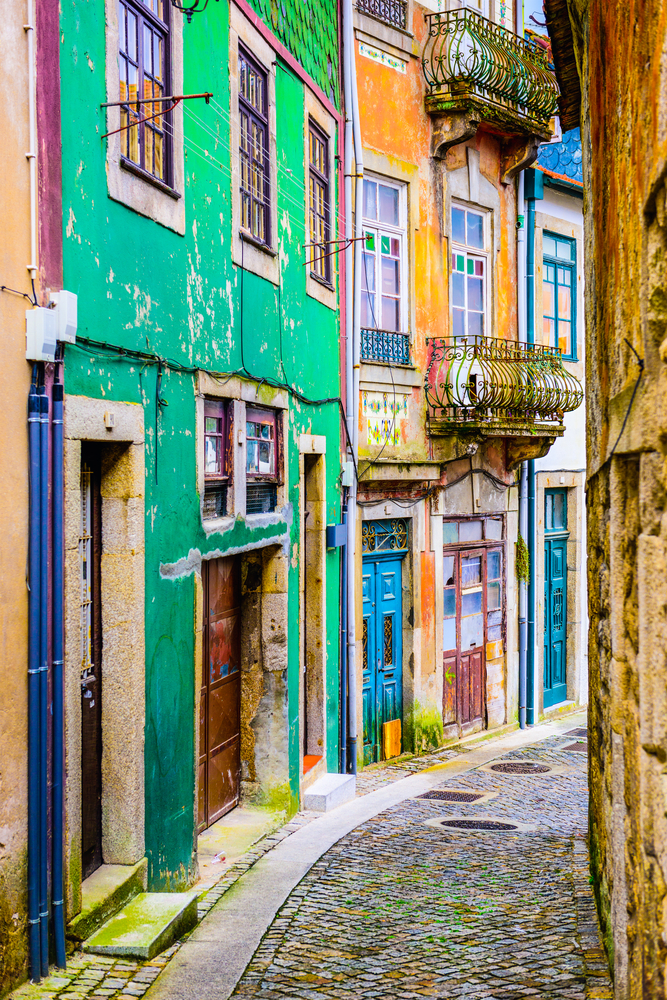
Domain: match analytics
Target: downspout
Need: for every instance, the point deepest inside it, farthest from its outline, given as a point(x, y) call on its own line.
point(523, 482)
point(57, 540)
point(31, 155)
point(352, 325)
point(343, 650)
point(33, 678)
point(44, 679)
point(534, 189)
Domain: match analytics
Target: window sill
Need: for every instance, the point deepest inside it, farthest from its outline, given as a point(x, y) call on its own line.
point(134, 168)
point(322, 281)
point(246, 237)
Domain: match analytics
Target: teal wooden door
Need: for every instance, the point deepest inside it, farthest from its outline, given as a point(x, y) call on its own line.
point(555, 597)
point(382, 649)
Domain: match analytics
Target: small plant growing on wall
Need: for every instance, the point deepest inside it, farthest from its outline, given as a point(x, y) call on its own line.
point(522, 560)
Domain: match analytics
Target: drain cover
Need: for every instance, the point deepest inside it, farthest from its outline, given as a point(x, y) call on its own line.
point(452, 796)
point(477, 824)
point(576, 732)
point(581, 746)
point(520, 767)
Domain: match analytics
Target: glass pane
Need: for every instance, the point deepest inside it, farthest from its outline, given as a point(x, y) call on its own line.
point(564, 302)
point(549, 511)
point(549, 332)
point(458, 225)
point(493, 596)
point(369, 243)
point(475, 294)
point(448, 569)
point(450, 532)
point(252, 456)
point(564, 341)
point(471, 265)
point(472, 631)
point(390, 315)
point(471, 571)
point(564, 250)
point(493, 566)
point(470, 531)
point(213, 451)
point(388, 204)
point(494, 528)
point(475, 324)
point(368, 320)
point(121, 27)
point(494, 618)
point(494, 633)
point(548, 298)
point(148, 50)
point(449, 633)
point(370, 199)
point(458, 290)
point(368, 271)
point(459, 323)
point(450, 603)
point(211, 425)
point(560, 520)
point(549, 246)
point(390, 284)
point(471, 602)
point(475, 231)
point(460, 262)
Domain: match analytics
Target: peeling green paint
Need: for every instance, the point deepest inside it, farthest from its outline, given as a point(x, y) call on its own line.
point(422, 728)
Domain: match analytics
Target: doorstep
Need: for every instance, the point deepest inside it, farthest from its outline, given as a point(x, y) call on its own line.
point(104, 893)
point(147, 925)
point(330, 791)
point(562, 708)
point(230, 838)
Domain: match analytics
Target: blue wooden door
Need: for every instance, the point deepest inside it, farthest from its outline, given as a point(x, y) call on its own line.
point(382, 650)
point(555, 598)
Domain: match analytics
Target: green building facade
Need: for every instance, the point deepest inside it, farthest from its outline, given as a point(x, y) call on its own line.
point(202, 421)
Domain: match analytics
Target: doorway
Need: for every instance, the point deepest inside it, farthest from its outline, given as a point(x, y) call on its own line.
point(556, 538)
point(220, 692)
point(472, 617)
point(90, 557)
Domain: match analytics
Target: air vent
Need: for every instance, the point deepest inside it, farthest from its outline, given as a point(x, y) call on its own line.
point(477, 824)
point(261, 498)
point(520, 767)
point(581, 746)
point(446, 796)
point(215, 500)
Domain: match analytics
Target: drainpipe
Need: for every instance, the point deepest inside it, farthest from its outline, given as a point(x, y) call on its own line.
point(31, 155)
point(43, 678)
point(523, 483)
point(58, 690)
point(534, 191)
point(33, 678)
point(343, 651)
point(352, 325)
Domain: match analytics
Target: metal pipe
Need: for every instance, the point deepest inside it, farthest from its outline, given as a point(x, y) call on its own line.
point(33, 678)
point(31, 155)
point(343, 651)
point(57, 541)
point(44, 679)
point(523, 599)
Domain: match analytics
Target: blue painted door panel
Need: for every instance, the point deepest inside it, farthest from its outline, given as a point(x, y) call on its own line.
point(555, 620)
point(382, 650)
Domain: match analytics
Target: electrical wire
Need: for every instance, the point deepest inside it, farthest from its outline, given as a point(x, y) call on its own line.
point(640, 362)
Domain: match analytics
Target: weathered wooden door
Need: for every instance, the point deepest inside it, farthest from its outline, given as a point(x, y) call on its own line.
point(555, 597)
point(220, 694)
point(382, 650)
point(464, 638)
point(90, 554)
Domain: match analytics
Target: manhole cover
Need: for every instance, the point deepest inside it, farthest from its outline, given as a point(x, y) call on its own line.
point(576, 732)
point(477, 824)
point(452, 796)
point(520, 767)
point(581, 746)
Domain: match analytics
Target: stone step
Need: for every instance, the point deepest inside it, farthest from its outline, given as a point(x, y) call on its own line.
point(104, 893)
point(146, 926)
point(329, 791)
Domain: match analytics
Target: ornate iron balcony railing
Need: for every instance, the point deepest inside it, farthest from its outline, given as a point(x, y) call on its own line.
point(394, 12)
point(477, 380)
point(382, 345)
point(469, 60)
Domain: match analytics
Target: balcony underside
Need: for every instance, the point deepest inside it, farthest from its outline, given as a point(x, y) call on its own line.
point(523, 441)
point(506, 120)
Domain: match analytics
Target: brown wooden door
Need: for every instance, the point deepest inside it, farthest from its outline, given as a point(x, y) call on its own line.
point(464, 638)
point(220, 694)
point(90, 553)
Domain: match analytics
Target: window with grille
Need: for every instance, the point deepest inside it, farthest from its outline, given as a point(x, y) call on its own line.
point(318, 149)
point(559, 283)
point(383, 286)
point(217, 437)
point(469, 273)
point(254, 149)
point(143, 62)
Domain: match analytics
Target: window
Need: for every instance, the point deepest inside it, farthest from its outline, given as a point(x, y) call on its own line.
point(254, 149)
point(217, 438)
point(558, 293)
point(469, 266)
point(143, 58)
point(262, 461)
point(383, 293)
point(318, 151)
point(555, 510)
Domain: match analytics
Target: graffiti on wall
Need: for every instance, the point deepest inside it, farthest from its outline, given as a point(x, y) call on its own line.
point(384, 413)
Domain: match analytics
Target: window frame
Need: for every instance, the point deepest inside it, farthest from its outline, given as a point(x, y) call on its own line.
point(571, 266)
point(222, 410)
point(325, 182)
point(400, 232)
point(264, 477)
point(470, 253)
point(486, 546)
point(262, 120)
point(145, 15)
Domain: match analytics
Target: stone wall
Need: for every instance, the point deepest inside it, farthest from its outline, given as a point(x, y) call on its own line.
point(619, 49)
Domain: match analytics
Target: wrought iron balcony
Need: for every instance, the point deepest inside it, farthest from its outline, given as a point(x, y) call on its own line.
point(393, 12)
point(382, 345)
point(485, 383)
point(473, 65)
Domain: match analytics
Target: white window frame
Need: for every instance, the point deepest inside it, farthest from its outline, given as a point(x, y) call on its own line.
point(472, 252)
point(400, 231)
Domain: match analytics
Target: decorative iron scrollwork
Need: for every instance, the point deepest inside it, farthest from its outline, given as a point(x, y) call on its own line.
point(365, 642)
point(393, 12)
point(382, 345)
point(384, 536)
point(557, 609)
point(388, 640)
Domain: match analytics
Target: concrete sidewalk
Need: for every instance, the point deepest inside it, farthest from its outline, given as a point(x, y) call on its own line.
point(210, 963)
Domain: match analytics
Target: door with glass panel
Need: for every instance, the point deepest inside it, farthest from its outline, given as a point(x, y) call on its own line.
point(472, 617)
point(556, 538)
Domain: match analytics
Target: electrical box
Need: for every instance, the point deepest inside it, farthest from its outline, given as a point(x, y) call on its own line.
point(347, 473)
point(336, 535)
point(41, 327)
point(66, 309)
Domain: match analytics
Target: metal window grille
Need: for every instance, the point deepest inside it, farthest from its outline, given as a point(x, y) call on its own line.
point(382, 345)
point(261, 498)
point(254, 149)
point(215, 500)
point(394, 12)
point(143, 60)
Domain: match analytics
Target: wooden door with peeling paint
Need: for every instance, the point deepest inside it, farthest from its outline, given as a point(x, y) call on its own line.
point(220, 693)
